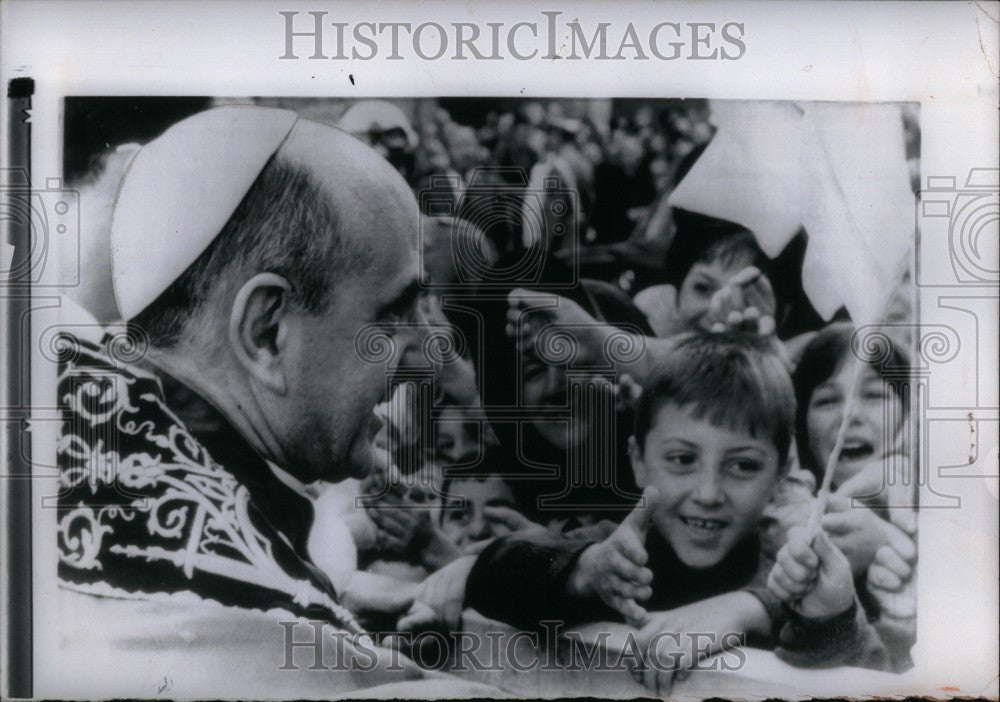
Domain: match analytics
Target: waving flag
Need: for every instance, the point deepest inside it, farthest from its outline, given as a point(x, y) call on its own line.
point(838, 171)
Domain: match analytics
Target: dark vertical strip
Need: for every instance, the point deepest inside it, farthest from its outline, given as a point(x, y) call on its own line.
point(17, 400)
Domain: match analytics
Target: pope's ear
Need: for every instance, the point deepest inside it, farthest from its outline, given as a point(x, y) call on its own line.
point(258, 328)
point(638, 465)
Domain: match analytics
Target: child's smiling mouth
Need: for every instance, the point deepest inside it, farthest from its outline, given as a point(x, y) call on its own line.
point(702, 527)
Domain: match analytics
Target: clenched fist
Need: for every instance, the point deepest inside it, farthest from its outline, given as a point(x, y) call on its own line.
point(812, 576)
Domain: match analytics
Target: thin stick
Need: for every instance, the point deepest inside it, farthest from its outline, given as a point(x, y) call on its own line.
point(819, 506)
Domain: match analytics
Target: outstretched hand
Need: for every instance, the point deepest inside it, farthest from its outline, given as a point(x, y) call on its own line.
point(746, 302)
point(439, 599)
point(528, 317)
point(614, 569)
point(675, 641)
point(659, 304)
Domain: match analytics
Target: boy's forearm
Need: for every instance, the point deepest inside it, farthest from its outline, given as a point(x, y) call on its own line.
point(651, 353)
point(751, 616)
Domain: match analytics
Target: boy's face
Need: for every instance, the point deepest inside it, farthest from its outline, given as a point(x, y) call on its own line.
point(868, 438)
point(713, 483)
point(700, 284)
point(466, 524)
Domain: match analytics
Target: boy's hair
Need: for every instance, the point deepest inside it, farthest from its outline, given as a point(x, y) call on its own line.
point(731, 379)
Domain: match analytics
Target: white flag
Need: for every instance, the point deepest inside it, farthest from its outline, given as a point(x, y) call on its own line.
point(838, 171)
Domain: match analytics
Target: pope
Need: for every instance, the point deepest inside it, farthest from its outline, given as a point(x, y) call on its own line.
point(252, 255)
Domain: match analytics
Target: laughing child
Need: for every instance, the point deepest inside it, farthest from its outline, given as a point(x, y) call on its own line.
point(712, 436)
point(869, 516)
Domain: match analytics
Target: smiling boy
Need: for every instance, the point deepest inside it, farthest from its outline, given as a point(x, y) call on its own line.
point(712, 436)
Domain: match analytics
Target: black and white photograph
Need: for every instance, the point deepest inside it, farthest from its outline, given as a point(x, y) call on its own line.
point(417, 393)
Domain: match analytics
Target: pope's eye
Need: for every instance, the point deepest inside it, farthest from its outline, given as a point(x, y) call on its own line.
point(405, 310)
point(403, 316)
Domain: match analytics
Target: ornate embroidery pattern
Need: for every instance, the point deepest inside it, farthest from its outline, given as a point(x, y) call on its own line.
point(139, 488)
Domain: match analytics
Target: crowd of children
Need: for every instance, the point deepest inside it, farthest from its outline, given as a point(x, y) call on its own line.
point(533, 486)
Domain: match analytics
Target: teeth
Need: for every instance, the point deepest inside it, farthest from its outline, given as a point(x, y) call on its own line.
point(710, 524)
point(856, 448)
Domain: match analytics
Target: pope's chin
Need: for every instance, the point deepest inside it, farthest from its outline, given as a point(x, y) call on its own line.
point(360, 462)
point(362, 458)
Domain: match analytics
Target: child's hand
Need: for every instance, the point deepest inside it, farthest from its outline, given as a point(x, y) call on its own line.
point(746, 302)
point(812, 576)
point(859, 532)
point(871, 484)
point(890, 582)
point(440, 598)
point(685, 636)
point(506, 520)
point(614, 569)
point(503, 521)
point(438, 549)
point(401, 531)
point(527, 317)
point(659, 304)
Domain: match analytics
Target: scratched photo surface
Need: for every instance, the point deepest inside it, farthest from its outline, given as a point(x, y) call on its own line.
point(487, 396)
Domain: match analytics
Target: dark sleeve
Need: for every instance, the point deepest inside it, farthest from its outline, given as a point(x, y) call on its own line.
point(522, 581)
point(847, 639)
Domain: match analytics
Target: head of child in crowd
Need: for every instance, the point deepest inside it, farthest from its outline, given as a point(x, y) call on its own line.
point(474, 507)
point(705, 254)
point(722, 260)
point(713, 432)
point(822, 383)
